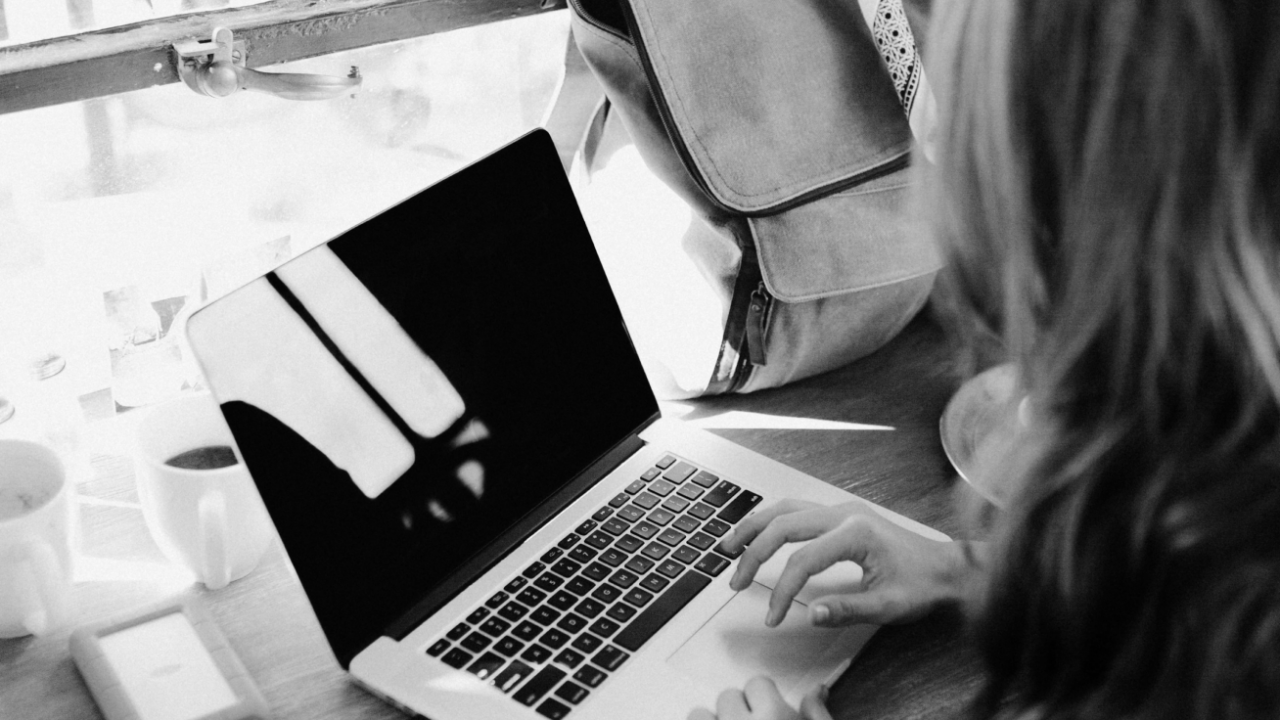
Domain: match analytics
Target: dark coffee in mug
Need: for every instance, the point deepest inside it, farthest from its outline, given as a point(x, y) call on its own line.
point(208, 457)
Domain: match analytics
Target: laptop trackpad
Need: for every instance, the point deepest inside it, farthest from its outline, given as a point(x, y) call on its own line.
point(735, 646)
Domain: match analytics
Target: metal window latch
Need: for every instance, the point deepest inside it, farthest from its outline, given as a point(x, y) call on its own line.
point(217, 68)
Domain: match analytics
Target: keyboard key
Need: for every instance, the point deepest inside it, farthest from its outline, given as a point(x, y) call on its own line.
point(475, 642)
point(495, 627)
point(456, 658)
point(539, 685)
point(628, 543)
point(597, 571)
point(650, 474)
point(716, 527)
point(631, 513)
point(563, 600)
point(655, 550)
point(589, 676)
point(569, 658)
point(579, 586)
point(572, 691)
point(635, 487)
point(647, 500)
point(639, 564)
point(477, 615)
point(536, 654)
point(512, 676)
point(614, 526)
point(623, 578)
point(548, 582)
point(599, 540)
point(508, 646)
point(662, 488)
point(705, 479)
point(738, 509)
point(552, 709)
point(656, 615)
point(458, 631)
point(531, 596)
point(675, 504)
point(583, 554)
point(605, 627)
point(684, 523)
point(589, 608)
point(566, 568)
point(685, 554)
point(568, 541)
point(612, 557)
point(666, 461)
point(702, 511)
point(621, 612)
point(690, 492)
point(438, 647)
point(529, 630)
point(671, 569)
point(645, 529)
point(551, 555)
point(712, 564)
point(586, 642)
point(731, 555)
point(610, 658)
point(661, 516)
point(515, 584)
point(655, 583)
point(702, 541)
point(721, 494)
point(486, 665)
point(619, 500)
point(638, 597)
point(572, 623)
point(602, 513)
point(513, 611)
point(533, 570)
point(606, 593)
point(554, 639)
point(671, 537)
point(586, 527)
point(544, 616)
point(680, 472)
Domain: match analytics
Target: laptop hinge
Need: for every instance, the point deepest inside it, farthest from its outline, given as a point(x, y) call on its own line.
point(495, 551)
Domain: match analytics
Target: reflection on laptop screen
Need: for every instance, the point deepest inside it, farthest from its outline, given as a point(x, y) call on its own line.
point(406, 393)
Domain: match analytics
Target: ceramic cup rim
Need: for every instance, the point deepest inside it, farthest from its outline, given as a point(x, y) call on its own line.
point(53, 498)
point(144, 451)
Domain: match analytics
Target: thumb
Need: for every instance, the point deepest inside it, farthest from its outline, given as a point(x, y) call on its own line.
point(814, 705)
point(836, 610)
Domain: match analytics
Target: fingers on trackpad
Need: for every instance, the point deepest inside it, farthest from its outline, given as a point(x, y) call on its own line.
point(735, 645)
point(842, 577)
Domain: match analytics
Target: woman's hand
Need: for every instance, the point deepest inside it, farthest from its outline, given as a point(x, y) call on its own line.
point(760, 700)
point(904, 575)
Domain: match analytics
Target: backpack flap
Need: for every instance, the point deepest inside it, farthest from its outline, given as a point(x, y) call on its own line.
point(770, 103)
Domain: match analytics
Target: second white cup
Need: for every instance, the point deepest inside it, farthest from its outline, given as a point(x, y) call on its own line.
point(202, 509)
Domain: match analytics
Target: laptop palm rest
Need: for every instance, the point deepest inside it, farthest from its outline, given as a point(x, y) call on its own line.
point(735, 645)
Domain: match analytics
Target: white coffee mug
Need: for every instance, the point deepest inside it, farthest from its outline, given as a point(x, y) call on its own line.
point(35, 540)
point(210, 520)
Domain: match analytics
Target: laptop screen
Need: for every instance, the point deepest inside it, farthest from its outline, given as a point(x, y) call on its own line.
point(407, 392)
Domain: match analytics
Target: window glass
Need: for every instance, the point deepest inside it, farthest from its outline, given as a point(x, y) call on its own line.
point(120, 215)
point(23, 21)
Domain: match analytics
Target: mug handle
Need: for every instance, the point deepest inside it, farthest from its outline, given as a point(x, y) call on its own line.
point(47, 606)
point(215, 565)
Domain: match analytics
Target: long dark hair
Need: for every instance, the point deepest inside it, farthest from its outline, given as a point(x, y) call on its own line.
point(1107, 189)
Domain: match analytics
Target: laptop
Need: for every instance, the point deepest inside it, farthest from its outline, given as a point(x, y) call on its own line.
point(466, 466)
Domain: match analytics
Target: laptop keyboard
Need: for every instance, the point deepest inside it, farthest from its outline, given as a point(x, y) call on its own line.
point(554, 632)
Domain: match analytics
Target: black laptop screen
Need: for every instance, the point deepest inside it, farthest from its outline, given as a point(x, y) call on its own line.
point(408, 392)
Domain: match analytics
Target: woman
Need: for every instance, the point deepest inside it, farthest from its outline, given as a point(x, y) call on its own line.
point(1107, 185)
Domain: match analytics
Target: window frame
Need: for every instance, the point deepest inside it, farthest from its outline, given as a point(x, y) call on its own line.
point(113, 60)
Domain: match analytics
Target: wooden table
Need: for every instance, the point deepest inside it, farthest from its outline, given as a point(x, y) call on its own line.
point(923, 670)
